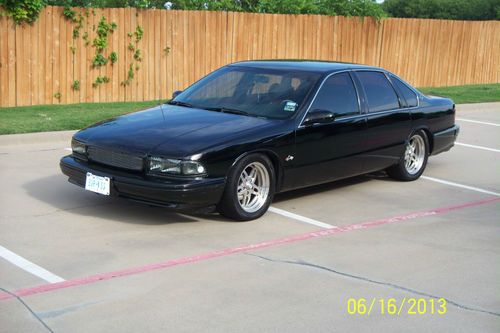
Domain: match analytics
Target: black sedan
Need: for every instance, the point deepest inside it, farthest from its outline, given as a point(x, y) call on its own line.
point(249, 130)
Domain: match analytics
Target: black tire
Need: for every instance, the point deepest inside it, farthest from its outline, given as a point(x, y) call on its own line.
point(401, 170)
point(229, 205)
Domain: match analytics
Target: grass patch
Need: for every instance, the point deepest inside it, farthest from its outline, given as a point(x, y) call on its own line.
point(43, 118)
point(477, 93)
point(26, 119)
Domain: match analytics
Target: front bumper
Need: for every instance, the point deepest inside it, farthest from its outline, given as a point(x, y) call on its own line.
point(444, 140)
point(177, 194)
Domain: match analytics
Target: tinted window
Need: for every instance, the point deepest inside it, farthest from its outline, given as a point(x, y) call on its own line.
point(379, 92)
point(408, 94)
point(337, 95)
point(270, 93)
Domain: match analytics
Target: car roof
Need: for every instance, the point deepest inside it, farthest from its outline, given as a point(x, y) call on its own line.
point(302, 65)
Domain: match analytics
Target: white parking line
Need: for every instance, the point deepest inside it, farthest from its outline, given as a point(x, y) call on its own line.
point(478, 122)
point(290, 215)
point(467, 187)
point(28, 266)
point(301, 218)
point(477, 147)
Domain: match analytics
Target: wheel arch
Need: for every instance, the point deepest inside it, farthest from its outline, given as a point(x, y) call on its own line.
point(428, 133)
point(275, 161)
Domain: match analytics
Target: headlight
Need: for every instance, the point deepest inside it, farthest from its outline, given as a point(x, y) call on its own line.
point(175, 167)
point(78, 147)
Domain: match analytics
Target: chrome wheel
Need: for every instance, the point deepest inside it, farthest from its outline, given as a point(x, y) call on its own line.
point(253, 187)
point(414, 154)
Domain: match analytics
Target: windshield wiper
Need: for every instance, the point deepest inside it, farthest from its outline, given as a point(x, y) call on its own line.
point(229, 110)
point(180, 103)
point(218, 109)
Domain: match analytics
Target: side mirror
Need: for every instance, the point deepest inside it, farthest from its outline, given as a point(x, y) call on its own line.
point(176, 93)
point(318, 117)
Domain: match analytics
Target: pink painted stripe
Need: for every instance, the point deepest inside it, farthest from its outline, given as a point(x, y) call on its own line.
point(246, 248)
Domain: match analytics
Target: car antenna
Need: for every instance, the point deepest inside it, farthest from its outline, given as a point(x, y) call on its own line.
point(161, 108)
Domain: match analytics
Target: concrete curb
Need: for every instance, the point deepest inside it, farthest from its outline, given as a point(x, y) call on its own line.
point(490, 106)
point(32, 138)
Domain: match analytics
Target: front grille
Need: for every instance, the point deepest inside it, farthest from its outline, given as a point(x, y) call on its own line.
point(115, 159)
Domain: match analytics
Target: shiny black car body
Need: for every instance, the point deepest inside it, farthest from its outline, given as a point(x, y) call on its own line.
point(308, 146)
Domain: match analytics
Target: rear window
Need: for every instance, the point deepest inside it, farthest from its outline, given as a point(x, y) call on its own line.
point(408, 94)
point(380, 94)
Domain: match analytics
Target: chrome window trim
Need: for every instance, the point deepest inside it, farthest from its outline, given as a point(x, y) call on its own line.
point(301, 125)
point(375, 113)
point(385, 74)
point(415, 91)
point(392, 110)
point(361, 114)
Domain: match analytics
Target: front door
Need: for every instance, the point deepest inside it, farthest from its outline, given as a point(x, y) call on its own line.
point(325, 152)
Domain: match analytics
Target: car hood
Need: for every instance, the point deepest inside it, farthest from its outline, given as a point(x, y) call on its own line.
point(170, 130)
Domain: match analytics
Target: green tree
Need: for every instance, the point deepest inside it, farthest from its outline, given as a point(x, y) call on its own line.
point(351, 8)
point(287, 7)
point(324, 7)
point(444, 9)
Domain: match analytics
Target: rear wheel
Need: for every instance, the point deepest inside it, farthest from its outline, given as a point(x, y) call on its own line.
point(414, 160)
point(249, 189)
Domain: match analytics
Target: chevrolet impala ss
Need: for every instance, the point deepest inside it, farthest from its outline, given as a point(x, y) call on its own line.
point(252, 129)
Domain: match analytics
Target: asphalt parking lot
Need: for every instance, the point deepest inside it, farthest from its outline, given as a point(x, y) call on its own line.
point(82, 262)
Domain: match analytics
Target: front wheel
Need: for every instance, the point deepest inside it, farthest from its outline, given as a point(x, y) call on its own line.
point(412, 163)
point(249, 189)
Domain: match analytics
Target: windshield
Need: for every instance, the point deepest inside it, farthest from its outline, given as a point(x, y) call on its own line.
point(250, 91)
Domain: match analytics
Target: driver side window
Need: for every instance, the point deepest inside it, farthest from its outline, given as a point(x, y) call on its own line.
point(337, 95)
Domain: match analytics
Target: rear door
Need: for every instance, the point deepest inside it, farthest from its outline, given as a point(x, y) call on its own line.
point(388, 120)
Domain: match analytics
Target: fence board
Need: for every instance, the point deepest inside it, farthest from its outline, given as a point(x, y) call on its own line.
point(4, 72)
point(148, 55)
point(22, 67)
point(36, 61)
point(176, 51)
point(127, 54)
point(88, 73)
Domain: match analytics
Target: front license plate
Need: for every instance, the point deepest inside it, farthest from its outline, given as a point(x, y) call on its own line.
point(97, 184)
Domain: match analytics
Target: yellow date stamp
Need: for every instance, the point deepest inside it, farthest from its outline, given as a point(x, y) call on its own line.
point(396, 307)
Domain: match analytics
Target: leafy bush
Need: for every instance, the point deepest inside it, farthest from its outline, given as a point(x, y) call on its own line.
point(137, 55)
point(100, 43)
point(75, 85)
point(100, 80)
point(22, 10)
point(69, 13)
point(99, 60)
point(113, 57)
point(130, 75)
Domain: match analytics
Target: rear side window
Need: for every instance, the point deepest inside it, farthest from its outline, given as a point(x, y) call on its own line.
point(380, 94)
point(408, 94)
point(337, 95)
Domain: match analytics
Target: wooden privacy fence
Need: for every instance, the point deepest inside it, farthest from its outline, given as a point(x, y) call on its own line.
point(44, 63)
